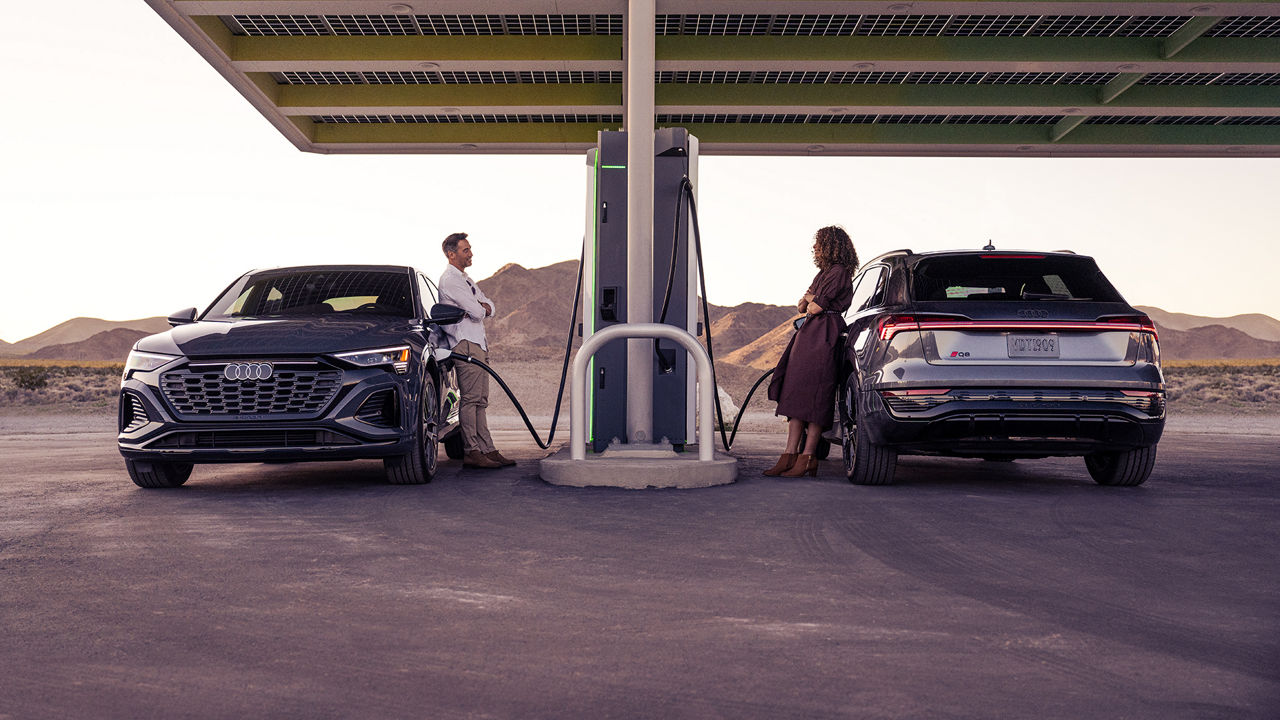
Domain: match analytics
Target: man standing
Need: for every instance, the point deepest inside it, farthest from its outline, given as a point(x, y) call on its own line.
point(467, 338)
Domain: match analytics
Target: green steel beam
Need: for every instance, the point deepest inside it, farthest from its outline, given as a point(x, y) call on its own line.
point(306, 127)
point(1185, 35)
point(957, 49)
point(1028, 51)
point(460, 96)
point(1117, 86)
point(216, 31)
point(1064, 126)
point(459, 134)
point(809, 134)
point(1024, 99)
point(428, 47)
point(1053, 98)
point(1241, 135)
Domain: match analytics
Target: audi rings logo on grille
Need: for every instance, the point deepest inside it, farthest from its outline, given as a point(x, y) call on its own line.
point(247, 371)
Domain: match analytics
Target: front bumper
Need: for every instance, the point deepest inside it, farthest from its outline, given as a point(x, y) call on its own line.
point(334, 433)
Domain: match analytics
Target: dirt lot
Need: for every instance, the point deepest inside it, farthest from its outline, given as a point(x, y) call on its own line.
point(968, 590)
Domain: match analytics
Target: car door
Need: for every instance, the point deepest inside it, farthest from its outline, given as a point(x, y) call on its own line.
point(436, 339)
point(869, 293)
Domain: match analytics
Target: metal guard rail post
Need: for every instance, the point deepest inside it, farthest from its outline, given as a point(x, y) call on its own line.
point(578, 390)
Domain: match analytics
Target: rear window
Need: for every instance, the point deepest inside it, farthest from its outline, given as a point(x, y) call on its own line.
point(1005, 277)
point(322, 292)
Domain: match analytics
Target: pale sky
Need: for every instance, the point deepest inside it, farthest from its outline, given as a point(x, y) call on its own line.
point(135, 181)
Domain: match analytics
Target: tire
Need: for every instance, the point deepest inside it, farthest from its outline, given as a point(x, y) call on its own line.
point(418, 466)
point(865, 462)
point(158, 474)
point(454, 448)
point(1121, 469)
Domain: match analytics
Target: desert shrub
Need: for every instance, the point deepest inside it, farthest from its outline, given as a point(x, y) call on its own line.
point(21, 385)
point(30, 378)
point(1224, 386)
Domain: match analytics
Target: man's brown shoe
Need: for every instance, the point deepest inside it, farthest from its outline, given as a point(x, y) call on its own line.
point(476, 459)
point(498, 458)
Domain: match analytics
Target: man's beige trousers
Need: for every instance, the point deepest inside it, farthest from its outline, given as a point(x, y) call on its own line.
point(473, 410)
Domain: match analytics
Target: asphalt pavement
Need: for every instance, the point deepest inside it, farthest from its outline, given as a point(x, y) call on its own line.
point(969, 589)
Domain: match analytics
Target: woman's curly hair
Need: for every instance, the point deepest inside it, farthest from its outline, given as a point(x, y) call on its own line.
point(832, 246)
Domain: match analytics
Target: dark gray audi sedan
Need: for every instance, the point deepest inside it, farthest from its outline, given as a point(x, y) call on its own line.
point(997, 355)
point(329, 362)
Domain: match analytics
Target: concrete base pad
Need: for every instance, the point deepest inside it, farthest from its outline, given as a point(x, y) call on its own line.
point(639, 469)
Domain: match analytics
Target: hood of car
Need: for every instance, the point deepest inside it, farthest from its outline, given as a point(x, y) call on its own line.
point(279, 337)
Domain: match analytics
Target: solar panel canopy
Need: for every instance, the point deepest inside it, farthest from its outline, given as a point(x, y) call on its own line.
point(763, 77)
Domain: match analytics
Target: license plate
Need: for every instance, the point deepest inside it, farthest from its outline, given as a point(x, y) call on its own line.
point(1023, 346)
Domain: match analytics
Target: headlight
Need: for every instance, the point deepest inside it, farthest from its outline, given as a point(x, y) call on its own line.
point(397, 357)
point(144, 361)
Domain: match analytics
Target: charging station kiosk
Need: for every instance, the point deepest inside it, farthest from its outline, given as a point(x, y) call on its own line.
point(604, 286)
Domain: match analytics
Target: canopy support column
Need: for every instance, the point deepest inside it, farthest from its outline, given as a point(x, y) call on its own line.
point(639, 120)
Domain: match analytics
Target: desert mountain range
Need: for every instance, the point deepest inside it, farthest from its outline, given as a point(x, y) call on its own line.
point(533, 306)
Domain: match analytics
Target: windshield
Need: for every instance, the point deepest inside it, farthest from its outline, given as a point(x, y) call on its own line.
point(315, 292)
point(1011, 277)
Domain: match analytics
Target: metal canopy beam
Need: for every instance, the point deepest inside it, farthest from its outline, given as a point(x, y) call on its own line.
point(731, 67)
point(1047, 54)
point(528, 98)
point(810, 139)
point(754, 7)
point(1185, 35)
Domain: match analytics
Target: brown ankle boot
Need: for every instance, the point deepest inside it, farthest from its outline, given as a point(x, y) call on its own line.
point(785, 461)
point(805, 465)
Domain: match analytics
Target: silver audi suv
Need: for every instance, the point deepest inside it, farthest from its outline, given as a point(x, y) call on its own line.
point(997, 355)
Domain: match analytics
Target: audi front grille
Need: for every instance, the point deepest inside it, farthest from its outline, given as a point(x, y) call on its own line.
point(289, 390)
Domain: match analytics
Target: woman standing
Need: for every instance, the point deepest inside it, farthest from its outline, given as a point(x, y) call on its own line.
point(804, 382)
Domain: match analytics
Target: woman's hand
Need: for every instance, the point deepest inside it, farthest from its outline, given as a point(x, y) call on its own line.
point(804, 302)
point(812, 308)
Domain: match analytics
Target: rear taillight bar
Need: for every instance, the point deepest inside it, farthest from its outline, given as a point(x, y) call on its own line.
point(1135, 323)
point(894, 324)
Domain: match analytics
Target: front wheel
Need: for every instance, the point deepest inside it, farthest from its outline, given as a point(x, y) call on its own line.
point(158, 474)
point(1127, 468)
point(865, 462)
point(418, 465)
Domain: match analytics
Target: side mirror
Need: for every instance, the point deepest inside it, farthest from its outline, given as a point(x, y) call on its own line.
point(183, 317)
point(442, 314)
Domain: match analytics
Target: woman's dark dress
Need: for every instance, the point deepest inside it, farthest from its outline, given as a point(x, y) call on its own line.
point(804, 382)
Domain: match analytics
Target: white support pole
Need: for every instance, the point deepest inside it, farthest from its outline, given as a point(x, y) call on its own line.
point(639, 118)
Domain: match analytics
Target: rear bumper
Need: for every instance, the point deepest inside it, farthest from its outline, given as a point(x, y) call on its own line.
point(1016, 430)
